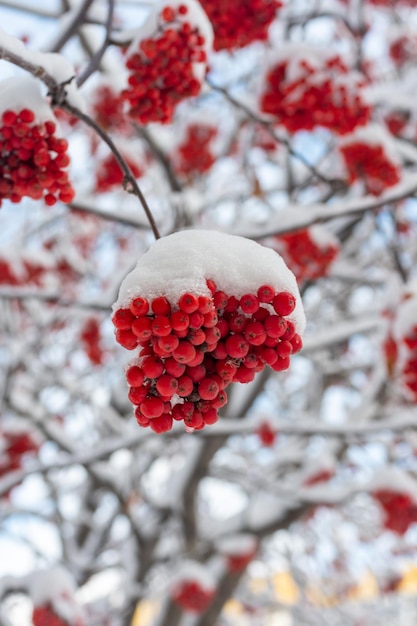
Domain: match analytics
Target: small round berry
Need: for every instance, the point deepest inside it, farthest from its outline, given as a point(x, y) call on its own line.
point(134, 376)
point(161, 424)
point(220, 300)
point(152, 407)
point(281, 364)
point(174, 368)
point(161, 306)
point(275, 326)
point(208, 389)
point(237, 346)
point(249, 303)
point(139, 306)
point(161, 326)
point(137, 394)
point(196, 372)
point(185, 386)
point(255, 333)
point(168, 344)
point(185, 352)
point(142, 328)
point(266, 293)
point(284, 303)
point(126, 339)
point(167, 385)
point(188, 303)
point(180, 320)
point(152, 367)
point(284, 349)
point(123, 319)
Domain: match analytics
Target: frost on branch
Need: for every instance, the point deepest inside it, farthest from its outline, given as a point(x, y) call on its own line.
point(204, 309)
point(33, 159)
point(167, 60)
point(193, 588)
point(305, 87)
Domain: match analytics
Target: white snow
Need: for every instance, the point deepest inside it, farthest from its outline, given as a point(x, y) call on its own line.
point(238, 545)
point(24, 92)
point(183, 261)
point(53, 63)
point(192, 571)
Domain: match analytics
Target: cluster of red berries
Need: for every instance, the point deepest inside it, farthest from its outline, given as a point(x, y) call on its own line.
point(33, 161)
point(399, 509)
point(194, 155)
point(14, 446)
point(110, 175)
point(392, 3)
point(317, 97)
point(403, 49)
point(370, 163)
point(191, 353)
point(90, 339)
point(308, 257)
point(237, 23)
point(162, 68)
point(107, 108)
point(191, 596)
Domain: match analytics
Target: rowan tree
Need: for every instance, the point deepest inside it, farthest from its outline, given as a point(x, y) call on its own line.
point(183, 185)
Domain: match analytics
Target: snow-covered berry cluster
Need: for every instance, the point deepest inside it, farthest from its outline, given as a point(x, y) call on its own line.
point(239, 550)
point(20, 269)
point(194, 155)
point(237, 23)
point(33, 158)
point(193, 588)
point(309, 252)
point(168, 65)
point(403, 48)
point(305, 88)
point(400, 510)
point(194, 343)
point(52, 592)
point(370, 156)
point(109, 174)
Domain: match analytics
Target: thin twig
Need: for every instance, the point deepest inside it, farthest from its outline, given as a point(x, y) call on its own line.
point(98, 55)
point(73, 26)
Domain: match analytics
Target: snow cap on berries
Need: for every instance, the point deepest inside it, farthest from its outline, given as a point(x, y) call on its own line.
point(193, 587)
point(183, 261)
point(56, 588)
point(238, 549)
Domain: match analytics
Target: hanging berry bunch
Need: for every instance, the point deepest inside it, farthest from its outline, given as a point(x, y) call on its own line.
point(168, 65)
point(309, 252)
point(193, 588)
point(237, 23)
point(370, 156)
point(109, 174)
point(202, 324)
point(305, 88)
point(33, 158)
point(91, 340)
point(194, 155)
point(107, 109)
